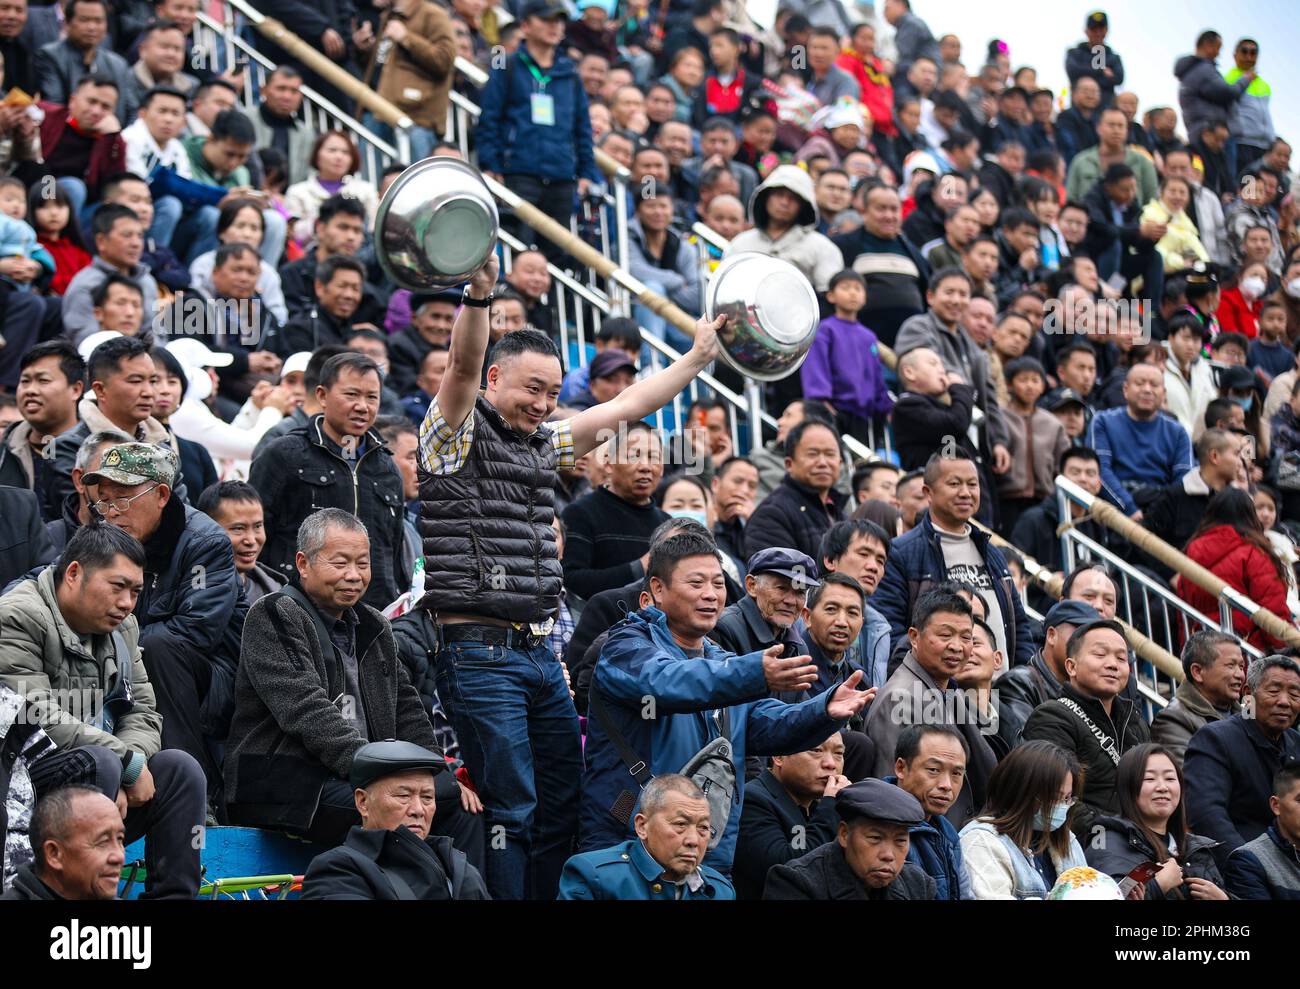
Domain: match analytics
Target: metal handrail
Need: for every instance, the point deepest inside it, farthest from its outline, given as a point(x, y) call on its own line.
point(1230, 599)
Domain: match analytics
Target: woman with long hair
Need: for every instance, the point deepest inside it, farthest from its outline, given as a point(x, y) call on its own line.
point(1231, 543)
point(1152, 827)
point(1021, 841)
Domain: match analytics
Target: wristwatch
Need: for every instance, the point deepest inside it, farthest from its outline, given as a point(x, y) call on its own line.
point(467, 300)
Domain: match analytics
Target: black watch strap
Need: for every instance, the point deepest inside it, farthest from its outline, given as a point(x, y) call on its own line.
point(467, 300)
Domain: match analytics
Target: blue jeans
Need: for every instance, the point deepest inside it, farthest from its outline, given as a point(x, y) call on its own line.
point(167, 212)
point(518, 733)
point(422, 138)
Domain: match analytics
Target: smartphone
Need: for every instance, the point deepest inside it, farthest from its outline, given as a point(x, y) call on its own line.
point(241, 62)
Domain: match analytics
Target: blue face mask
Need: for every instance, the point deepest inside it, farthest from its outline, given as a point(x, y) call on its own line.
point(1246, 402)
point(699, 517)
point(1060, 811)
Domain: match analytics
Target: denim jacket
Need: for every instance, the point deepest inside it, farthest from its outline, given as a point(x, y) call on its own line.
point(1001, 871)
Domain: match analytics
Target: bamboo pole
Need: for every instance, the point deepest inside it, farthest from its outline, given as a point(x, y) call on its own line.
point(592, 258)
point(1112, 518)
point(1155, 654)
point(337, 76)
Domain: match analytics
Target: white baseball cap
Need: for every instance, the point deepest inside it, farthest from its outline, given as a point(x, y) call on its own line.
point(295, 363)
point(88, 345)
point(192, 353)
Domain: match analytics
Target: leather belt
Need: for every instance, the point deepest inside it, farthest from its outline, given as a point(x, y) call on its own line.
point(491, 635)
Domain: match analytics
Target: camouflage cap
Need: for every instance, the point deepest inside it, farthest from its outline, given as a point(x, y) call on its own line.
point(135, 463)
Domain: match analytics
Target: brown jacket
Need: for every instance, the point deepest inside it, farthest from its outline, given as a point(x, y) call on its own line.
point(1039, 456)
point(417, 74)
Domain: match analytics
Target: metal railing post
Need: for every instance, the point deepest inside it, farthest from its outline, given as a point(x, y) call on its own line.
point(753, 392)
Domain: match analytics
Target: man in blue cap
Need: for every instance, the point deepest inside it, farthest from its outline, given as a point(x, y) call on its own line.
point(868, 858)
point(777, 585)
point(664, 860)
point(391, 855)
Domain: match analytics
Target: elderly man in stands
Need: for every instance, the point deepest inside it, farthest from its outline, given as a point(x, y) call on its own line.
point(1214, 671)
point(665, 861)
point(391, 854)
point(776, 587)
point(868, 859)
point(191, 612)
point(69, 633)
point(79, 846)
point(1230, 763)
point(318, 679)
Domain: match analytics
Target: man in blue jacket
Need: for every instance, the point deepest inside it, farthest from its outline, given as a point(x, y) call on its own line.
point(663, 861)
point(662, 692)
point(930, 763)
point(534, 133)
point(945, 546)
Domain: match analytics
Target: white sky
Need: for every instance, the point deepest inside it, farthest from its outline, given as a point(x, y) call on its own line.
point(1148, 34)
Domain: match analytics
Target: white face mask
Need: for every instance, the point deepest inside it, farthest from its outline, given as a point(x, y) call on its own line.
point(1252, 288)
point(1293, 288)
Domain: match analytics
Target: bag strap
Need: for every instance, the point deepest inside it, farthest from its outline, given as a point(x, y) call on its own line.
point(637, 767)
point(1107, 744)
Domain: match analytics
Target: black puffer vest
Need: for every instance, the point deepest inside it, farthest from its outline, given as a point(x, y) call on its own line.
point(489, 548)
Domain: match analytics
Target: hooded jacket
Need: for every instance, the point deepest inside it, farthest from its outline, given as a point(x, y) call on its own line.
point(801, 244)
point(93, 420)
point(1204, 95)
point(1243, 566)
point(641, 659)
point(1062, 721)
point(1251, 121)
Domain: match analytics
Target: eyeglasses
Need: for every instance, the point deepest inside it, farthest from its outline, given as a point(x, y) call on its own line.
point(119, 505)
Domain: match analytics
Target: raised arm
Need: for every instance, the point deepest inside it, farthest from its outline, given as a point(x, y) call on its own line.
point(596, 425)
point(469, 340)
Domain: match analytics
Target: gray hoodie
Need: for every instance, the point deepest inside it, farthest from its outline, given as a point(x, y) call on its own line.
point(801, 244)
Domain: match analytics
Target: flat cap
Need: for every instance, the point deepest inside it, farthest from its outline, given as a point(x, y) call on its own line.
point(375, 760)
point(786, 562)
point(1071, 613)
point(876, 800)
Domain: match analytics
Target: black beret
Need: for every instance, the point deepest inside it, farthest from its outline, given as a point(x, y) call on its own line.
point(876, 800)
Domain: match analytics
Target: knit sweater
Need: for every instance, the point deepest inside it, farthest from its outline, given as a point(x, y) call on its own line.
point(1154, 451)
point(605, 540)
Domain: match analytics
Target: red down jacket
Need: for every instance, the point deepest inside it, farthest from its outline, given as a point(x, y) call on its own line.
point(1243, 566)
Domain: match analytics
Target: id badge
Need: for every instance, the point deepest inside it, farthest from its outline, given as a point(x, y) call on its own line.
point(543, 109)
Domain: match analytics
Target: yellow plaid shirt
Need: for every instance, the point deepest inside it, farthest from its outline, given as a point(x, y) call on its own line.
point(444, 450)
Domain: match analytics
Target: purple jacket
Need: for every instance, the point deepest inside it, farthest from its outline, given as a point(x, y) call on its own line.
point(844, 367)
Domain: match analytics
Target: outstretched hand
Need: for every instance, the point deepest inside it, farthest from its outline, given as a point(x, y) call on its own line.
point(848, 700)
